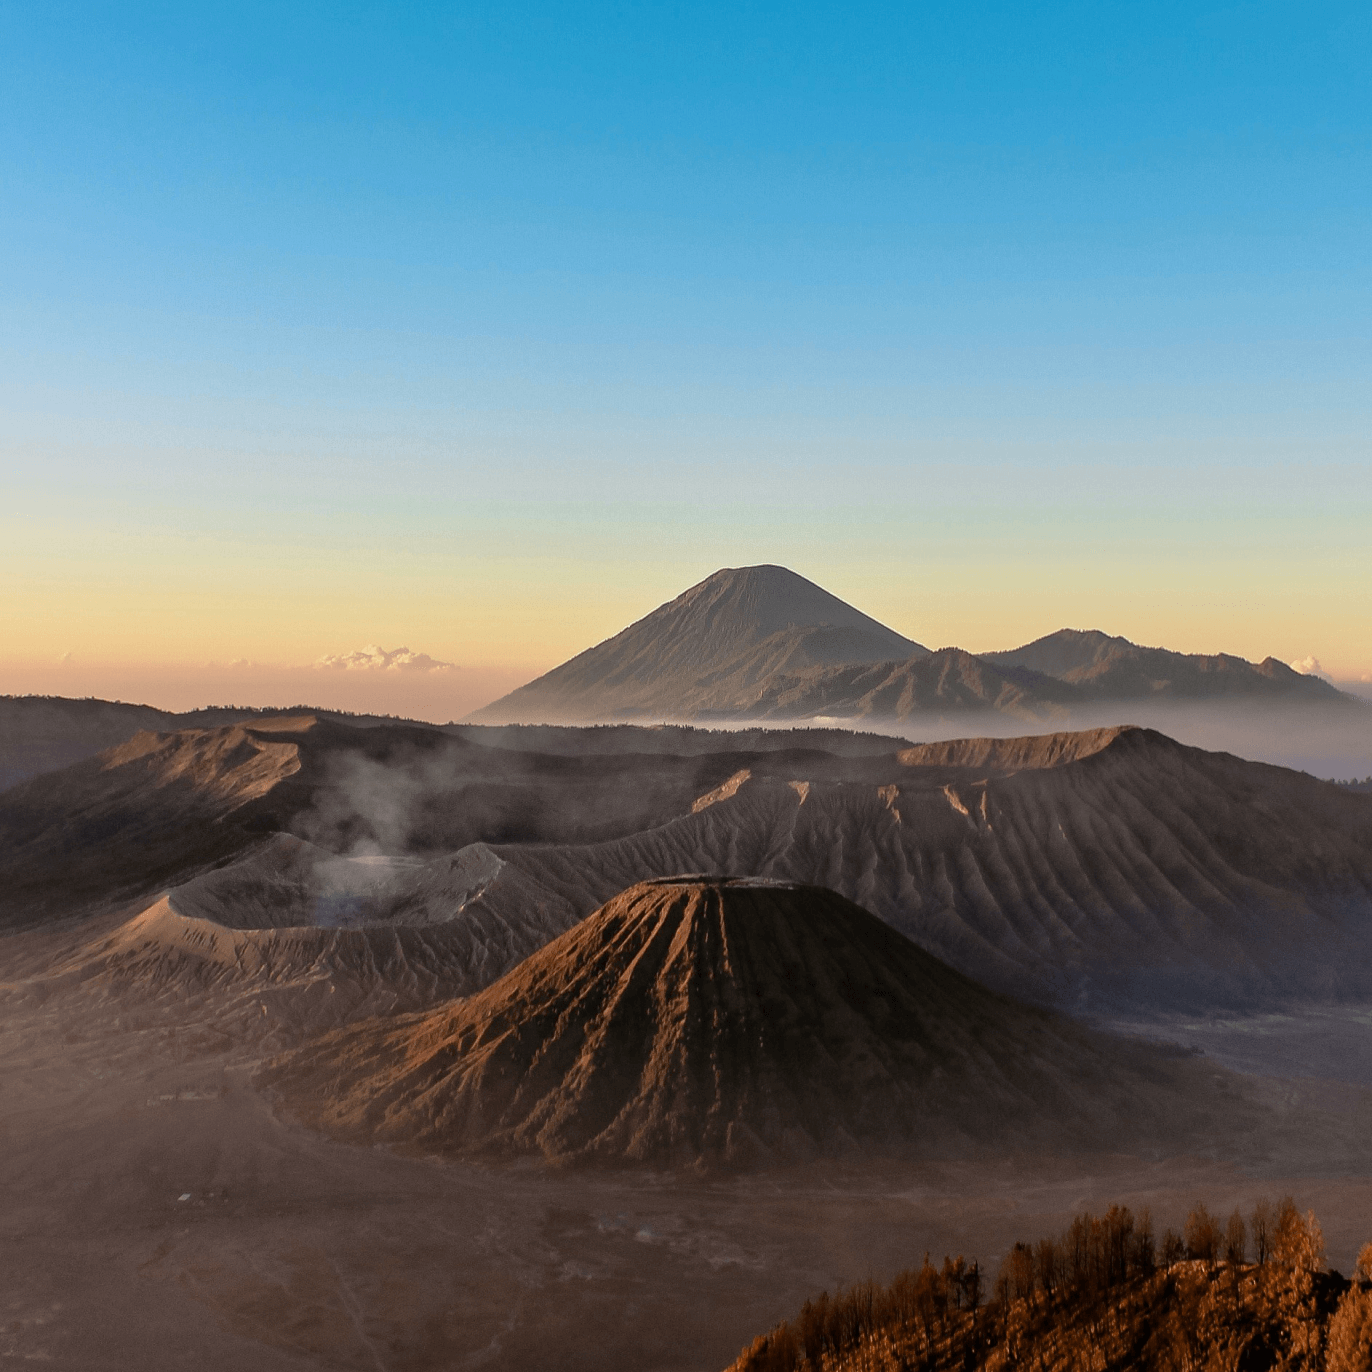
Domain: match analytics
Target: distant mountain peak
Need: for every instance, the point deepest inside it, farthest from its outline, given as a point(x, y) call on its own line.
point(773, 598)
point(764, 642)
point(1106, 666)
point(708, 653)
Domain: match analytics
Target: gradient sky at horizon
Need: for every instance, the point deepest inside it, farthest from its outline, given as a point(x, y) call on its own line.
point(486, 330)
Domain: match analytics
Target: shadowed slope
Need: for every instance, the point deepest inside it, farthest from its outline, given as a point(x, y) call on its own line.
point(146, 813)
point(1108, 870)
point(706, 1020)
point(947, 682)
point(711, 651)
point(162, 807)
point(1104, 667)
point(44, 733)
point(1093, 870)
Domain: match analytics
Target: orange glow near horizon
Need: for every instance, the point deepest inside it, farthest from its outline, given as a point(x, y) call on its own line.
point(181, 645)
point(507, 580)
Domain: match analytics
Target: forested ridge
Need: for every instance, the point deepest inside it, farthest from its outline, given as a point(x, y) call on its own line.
point(1248, 1295)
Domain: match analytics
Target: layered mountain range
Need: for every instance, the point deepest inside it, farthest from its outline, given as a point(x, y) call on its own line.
point(1093, 870)
point(764, 646)
point(671, 948)
point(43, 733)
point(762, 643)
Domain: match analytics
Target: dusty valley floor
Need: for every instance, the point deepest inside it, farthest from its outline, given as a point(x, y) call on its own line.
point(159, 1210)
point(158, 1214)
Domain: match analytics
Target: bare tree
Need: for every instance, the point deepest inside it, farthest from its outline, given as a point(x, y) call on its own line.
point(1145, 1253)
point(1046, 1261)
point(1236, 1240)
point(1202, 1235)
point(1020, 1269)
point(971, 1284)
point(1261, 1229)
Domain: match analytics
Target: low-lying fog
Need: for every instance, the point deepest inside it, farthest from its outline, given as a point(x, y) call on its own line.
point(1332, 742)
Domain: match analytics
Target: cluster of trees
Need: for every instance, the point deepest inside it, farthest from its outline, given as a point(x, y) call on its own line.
point(1246, 1293)
point(1094, 1254)
point(929, 1299)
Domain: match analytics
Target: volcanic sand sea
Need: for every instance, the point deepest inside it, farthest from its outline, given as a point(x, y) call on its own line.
point(156, 1213)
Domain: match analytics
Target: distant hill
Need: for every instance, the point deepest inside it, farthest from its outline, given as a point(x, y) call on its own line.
point(44, 733)
point(949, 682)
point(1105, 870)
point(761, 643)
point(1102, 667)
point(705, 1021)
point(41, 734)
point(1068, 674)
point(710, 653)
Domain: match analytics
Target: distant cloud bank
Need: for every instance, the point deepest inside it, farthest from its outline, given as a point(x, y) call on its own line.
point(1310, 666)
point(376, 659)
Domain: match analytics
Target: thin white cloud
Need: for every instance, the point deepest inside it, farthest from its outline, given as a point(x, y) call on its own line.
point(376, 659)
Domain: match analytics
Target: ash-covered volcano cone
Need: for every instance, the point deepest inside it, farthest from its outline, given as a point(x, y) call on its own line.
point(707, 1021)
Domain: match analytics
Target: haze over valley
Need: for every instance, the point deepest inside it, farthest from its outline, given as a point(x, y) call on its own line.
point(685, 688)
point(275, 983)
point(764, 646)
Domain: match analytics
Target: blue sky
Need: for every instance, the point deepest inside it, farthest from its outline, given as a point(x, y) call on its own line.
point(494, 327)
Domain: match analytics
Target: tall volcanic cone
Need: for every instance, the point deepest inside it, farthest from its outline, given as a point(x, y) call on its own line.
point(703, 1021)
point(711, 652)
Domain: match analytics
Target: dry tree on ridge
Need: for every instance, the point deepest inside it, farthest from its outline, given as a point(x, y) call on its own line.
point(1102, 1294)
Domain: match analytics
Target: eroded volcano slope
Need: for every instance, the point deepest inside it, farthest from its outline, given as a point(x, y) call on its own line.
point(1105, 870)
point(164, 807)
point(739, 1022)
point(1115, 868)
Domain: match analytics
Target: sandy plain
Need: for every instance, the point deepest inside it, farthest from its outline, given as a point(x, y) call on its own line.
point(156, 1212)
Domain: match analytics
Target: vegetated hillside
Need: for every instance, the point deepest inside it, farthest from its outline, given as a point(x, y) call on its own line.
point(1104, 667)
point(715, 1022)
point(1101, 1295)
point(710, 652)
